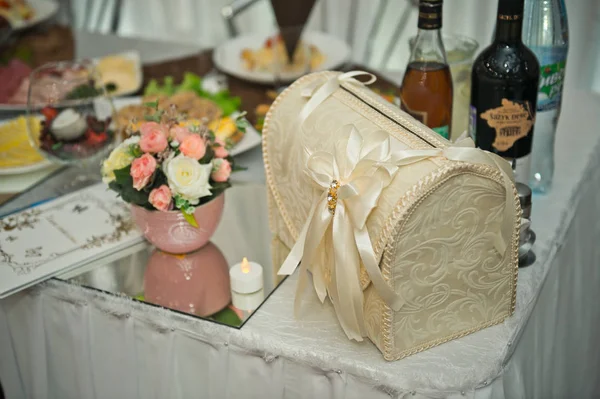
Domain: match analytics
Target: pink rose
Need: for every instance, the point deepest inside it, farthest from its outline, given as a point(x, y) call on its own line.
point(179, 133)
point(154, 137)
point(221, 171)
point(160, 198)
point(220, 151)
point(148, 127)
point(141, 171)
point(193, 146)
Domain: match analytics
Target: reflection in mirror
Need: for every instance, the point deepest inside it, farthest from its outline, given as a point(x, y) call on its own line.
point(199, 284)
point(195, 283)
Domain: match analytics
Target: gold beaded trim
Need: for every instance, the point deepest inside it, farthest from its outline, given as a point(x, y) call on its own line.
point(332, 196)
point(394, 113)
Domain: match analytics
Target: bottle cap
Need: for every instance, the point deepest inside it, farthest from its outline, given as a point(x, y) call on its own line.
point(430, 14)
point(524, 198)
point(510, 10)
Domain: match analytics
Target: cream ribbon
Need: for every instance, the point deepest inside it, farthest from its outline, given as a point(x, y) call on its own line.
point(319, 91)
point(364, 169)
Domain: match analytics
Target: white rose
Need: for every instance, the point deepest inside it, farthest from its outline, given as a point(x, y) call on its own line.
point(118, 159)
point(188, 178)
point(130, 140)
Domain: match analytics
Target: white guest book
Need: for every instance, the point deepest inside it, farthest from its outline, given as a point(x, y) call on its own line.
point(61, 235)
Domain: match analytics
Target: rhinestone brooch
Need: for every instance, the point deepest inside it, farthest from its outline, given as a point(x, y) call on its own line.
point(332, 196)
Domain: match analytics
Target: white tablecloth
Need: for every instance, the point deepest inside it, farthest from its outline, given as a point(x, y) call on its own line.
point(62, 341)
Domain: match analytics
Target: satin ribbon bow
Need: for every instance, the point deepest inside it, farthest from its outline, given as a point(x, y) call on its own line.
point(352, 179)
point(319, 91)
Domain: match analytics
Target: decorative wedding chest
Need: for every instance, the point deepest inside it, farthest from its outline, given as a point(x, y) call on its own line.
point(412, 238)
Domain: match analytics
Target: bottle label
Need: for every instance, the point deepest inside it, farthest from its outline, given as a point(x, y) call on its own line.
point(512, 121)
point(552, 74)
point(443, 131)
point(418, 115)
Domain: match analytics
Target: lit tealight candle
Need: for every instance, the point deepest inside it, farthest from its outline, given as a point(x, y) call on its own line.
point(246, 285)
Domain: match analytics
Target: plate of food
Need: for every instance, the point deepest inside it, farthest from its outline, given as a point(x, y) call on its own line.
point(191, 98)
point(121, 74)
point(252, 57)
point(17, 155)
point(22, 14)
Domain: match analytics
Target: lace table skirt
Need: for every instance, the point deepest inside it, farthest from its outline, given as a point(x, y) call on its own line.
point(62, 341)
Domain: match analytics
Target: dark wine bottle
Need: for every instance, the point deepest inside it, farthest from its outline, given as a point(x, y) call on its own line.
point(504, 85)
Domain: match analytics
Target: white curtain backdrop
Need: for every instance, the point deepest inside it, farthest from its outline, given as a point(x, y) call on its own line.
point(199, 22)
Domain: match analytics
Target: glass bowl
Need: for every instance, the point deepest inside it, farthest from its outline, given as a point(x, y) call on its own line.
point(73, 112)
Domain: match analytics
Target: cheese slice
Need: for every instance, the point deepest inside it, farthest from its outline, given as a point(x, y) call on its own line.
point(15, 148)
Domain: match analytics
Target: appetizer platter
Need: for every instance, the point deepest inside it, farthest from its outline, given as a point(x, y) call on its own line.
point(190, 97)
point(121, 74)
point(52, 130)
point(17, 155)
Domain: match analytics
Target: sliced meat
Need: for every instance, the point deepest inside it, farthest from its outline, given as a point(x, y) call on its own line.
point(11, 77)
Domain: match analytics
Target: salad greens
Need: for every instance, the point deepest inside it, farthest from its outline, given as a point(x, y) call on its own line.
point(193, 82)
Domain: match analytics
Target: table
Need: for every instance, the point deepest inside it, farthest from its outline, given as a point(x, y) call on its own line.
point(60, 340)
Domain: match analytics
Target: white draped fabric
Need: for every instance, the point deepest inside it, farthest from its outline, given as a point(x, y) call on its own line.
point(199, 23)
point(62, 341)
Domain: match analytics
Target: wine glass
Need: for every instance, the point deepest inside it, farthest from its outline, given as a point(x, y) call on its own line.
point(71, 115)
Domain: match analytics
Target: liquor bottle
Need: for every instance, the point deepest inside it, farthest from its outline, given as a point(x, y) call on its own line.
point(546, 33)
point(426, 92)
point(504, 85)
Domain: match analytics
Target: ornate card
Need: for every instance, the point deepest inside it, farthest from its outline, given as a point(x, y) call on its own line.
point(41, 242)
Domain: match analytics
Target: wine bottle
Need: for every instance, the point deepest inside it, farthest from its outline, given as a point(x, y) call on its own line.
point(504, 84)
point(426, 92)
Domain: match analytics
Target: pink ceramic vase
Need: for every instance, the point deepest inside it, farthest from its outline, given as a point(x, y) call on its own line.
point(170, 232)
point(195, 283)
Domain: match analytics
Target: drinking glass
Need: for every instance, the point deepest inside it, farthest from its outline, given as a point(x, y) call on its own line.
point(72, 113)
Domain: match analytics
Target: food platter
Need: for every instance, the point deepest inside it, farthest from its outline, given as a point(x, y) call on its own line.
point(250, 140)
point(42, 10)
point(228, 56)
point(124, 68)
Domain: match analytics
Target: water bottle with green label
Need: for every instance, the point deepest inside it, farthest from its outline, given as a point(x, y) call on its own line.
point(546, 33)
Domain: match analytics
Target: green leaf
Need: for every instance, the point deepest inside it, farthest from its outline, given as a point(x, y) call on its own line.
point(227, 316)
point(208, 156)
point(190, 219)
point(123, 184)
point(152, 88)
point(180, 203)
point(217, 188)
point(236, 168)
point(152, 118)
point(151, 104)
point(193, 82)
point(135, 150)
point(241, 123)
point(190, 82)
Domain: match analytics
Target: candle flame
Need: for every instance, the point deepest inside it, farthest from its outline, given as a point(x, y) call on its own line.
point(245, 266)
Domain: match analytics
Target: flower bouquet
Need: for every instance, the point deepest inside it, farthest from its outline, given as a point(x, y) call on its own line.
point(173, 171)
